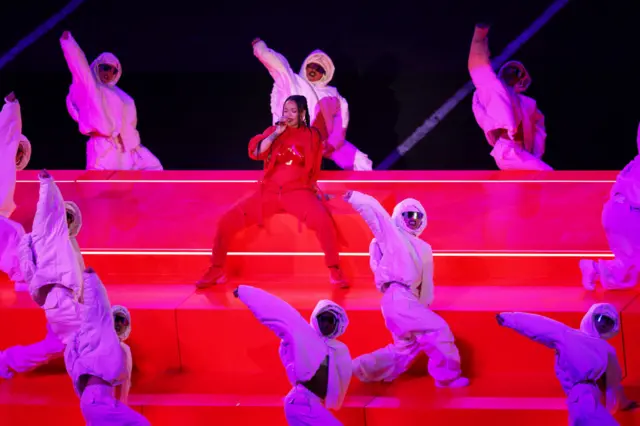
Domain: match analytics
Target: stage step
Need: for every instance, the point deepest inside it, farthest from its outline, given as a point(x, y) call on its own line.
point(451, 268)
point(467, 211)
point(193, 400)
point(177, 328)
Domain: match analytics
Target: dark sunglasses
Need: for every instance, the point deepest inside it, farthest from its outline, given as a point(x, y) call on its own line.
point(108, 68)
point(316, 68)
point(600, 318)
point(329, 317)
point(70, 217)
point(413, 215)
point(514, 70)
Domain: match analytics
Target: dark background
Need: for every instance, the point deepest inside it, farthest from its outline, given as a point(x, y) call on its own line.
point(201, 94)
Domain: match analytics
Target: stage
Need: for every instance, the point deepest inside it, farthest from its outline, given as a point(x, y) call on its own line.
point(503, 241)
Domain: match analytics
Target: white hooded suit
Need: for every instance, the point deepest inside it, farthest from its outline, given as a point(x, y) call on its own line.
point(50, 255)
point(95, 350)
point(119, 310)
point(11, 232)
point(327, 109)
point(621, 223)
point(586, 365)
point(403, 267)
point(105, 113)
point(303, 350)
point(511, 121)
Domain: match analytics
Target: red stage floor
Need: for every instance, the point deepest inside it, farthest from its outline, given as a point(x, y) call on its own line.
point(503, 242)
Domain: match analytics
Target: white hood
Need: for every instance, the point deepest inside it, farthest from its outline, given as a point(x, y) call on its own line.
point(26, 148)
point(588, 321)
point(75, 225)
point(525, 82)
point(108, 59)
point(121, 310)
point(406, 205)
point(322, 59)
point(340, 313)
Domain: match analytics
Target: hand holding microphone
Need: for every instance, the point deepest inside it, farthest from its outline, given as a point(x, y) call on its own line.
point(281, 125)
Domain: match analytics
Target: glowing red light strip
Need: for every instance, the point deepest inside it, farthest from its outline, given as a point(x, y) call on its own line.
point(348, 181)
point(207, 252)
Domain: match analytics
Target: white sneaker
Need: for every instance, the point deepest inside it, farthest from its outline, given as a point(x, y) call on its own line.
point(589, 273)
point(460, 382)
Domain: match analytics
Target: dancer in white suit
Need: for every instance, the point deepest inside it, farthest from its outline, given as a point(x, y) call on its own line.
point(329, 111)
point(586, 364)
point(104, 112)
point(52, 264)
point(317, 365)
point(403, 267)
point(511, 121)
point(96, 361)
point(621, 223)
point(15, 152)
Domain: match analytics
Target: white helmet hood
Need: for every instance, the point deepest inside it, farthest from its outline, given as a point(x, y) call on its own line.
point(406, 205)
point(337, 310)
point(588, 324)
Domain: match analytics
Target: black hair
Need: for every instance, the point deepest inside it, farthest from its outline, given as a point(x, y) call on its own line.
point(301, 103)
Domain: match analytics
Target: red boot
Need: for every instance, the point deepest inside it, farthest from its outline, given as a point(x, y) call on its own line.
point(214, 275)
point(337, 278)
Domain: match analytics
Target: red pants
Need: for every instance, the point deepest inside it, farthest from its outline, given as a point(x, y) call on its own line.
point(301, 203)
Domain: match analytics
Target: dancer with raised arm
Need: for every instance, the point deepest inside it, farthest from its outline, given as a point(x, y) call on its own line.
point(328, 110)
point(292, 154)
point(318, 366)
point(51, 263)
point(511, 121)
point(621, 223)
point(586, 364)
point(104, 112)
point(15, 152)
point(402, 265)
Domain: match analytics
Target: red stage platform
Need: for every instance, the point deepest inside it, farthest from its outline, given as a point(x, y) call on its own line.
point(502, 241)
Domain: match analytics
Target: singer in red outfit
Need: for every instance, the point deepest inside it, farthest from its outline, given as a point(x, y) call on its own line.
point(292, 154)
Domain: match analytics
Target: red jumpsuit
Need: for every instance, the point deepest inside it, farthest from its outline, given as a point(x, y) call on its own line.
point(291, 167)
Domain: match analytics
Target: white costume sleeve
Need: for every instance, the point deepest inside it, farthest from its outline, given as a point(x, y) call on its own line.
point(307, 347)
point(491, 103)
point(540, 135)
point(126, 386)
point(10, 123)
point(536, 327)
point(426, 292)
point(276, 64)
point(130, 135)
point(54, 254)
point(84, 101)
point(615, 397)
point(376, 217)
point(25, 254)
point(375, 255)
point(340, 124)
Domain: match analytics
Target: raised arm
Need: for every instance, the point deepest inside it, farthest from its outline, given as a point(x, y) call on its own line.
point(277, 315)
point(536, 327)
point(50, 220)
point(77, 62)
point(374, 215)
point(10, 121)
point(276, 64)
point(540, 135)
point(479, 51)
